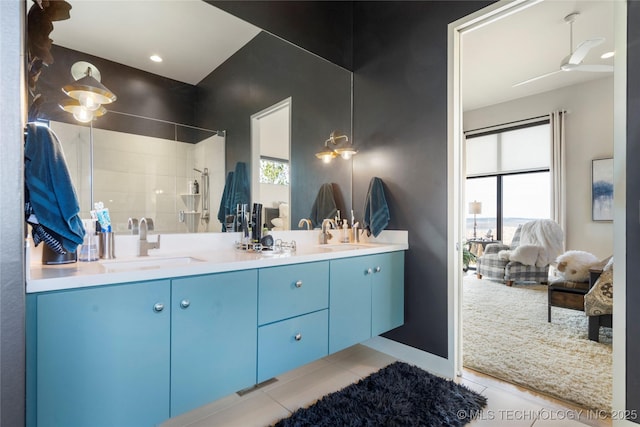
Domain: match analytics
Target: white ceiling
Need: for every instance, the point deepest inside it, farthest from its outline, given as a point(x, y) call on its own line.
point(531, 43)
point(194, 38)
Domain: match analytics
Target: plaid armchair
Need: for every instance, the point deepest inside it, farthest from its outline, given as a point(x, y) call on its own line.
point(493, 267)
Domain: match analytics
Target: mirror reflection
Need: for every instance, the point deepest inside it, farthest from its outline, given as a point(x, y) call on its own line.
point(231, 98)
point(176, 182)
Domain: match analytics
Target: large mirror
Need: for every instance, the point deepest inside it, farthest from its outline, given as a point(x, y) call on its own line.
point(136, 145)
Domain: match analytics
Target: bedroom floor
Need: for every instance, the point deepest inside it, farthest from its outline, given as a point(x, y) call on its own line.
point(508, 405)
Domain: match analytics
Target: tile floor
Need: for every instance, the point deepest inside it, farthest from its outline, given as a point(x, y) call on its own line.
point(508, 405)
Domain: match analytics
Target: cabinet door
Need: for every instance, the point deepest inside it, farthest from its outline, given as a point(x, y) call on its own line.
point(349, 302)
point(103, 356)
point(213, 337)
point(387, 292)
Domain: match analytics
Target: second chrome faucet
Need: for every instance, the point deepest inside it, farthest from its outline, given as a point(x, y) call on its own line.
point(145, 225)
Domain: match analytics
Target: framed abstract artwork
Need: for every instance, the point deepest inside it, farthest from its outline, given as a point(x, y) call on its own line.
point(602, 189)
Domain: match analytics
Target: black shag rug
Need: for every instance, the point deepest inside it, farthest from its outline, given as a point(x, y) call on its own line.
point(397, 395)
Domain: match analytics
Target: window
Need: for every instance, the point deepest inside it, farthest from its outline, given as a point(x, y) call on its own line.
point(274, 171)
point(508, 172)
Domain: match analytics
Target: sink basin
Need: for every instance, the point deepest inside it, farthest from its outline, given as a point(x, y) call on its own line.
point(148, 263)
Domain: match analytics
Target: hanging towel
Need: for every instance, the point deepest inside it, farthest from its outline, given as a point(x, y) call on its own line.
point(376, 211)
point(49, 190)
point(324, 206)
point(225, 203)
point(240, 189)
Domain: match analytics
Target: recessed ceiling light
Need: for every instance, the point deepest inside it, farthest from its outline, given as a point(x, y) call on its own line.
point(607, 55)
point(155, 58)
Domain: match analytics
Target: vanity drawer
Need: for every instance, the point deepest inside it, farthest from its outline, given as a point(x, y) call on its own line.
point(291, 290)
point(285, 345)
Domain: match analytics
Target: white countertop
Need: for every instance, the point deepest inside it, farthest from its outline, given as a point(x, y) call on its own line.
point(194, 254)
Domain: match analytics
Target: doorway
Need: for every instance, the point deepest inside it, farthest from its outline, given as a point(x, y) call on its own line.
point(270, 161)
point(456, 167)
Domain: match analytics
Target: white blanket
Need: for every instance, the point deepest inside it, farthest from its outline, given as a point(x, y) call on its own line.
point(529, 255)
point(546, 233)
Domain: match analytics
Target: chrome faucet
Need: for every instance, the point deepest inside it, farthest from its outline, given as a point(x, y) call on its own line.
point(144, 225)
point(325, 235)
point(305, 221)
point(132, 224)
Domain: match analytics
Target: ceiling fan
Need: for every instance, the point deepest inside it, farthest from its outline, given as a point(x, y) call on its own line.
point(573, 62)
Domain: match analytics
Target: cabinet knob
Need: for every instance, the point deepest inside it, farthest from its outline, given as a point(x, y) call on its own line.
point(299, 284)
point(378, 269)
point(158, 307)
point(185, 303)
point(298, 336)
point(369, 271)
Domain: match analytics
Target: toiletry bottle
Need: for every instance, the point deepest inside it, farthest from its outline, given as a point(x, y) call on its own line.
point(196, 187)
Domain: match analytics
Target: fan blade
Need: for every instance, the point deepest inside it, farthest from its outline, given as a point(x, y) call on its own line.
point(537, 78)
point(594, 68)
point(583, 48)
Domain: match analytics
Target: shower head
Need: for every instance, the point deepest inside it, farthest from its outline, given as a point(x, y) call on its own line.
point(197, 170)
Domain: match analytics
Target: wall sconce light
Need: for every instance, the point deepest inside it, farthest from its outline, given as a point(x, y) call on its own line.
point(344, 149)
point(87, 88)
point(87, 91)
point(475, 208)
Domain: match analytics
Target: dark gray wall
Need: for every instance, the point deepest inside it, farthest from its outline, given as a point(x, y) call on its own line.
point(264, 72)
point(633, 198)
point(138, 93)
point(400, 120)
point(322, 27)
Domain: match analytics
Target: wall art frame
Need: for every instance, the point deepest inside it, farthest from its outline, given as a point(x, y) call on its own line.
point(602, 189)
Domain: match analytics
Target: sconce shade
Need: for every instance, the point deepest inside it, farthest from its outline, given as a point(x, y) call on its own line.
point(475, 208)
point(346, 153)
point(326, 155)
point(87, 88)
point(80, 113)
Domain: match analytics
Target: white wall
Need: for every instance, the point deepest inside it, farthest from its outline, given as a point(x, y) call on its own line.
point(209, 154)
point(589, 135)
point(139, 176)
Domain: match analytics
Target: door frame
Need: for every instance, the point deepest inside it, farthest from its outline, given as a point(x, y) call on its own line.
point(455, 184)
point(255, 147)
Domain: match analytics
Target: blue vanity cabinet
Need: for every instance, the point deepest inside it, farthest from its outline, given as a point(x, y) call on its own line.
point(387, 292)
point(213, 337)
point(101, 355)
point(366, 298)
point(293, 319)
point(350, 302)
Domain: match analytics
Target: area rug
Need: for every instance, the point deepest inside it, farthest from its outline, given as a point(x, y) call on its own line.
point(397, 395)
point(506, 335)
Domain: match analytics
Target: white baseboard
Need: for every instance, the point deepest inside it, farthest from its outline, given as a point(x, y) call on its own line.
point(427, 361)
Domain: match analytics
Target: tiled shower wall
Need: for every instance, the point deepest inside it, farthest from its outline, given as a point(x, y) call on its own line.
point(138, 176)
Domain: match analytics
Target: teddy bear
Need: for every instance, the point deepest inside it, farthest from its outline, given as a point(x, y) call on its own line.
point(574, 265)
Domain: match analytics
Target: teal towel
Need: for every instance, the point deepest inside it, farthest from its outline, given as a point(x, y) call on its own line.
point(49, 186)
point(240, 188)
point(225, 202)
point(376, 211)
point(324, 206)
point(236, 191)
